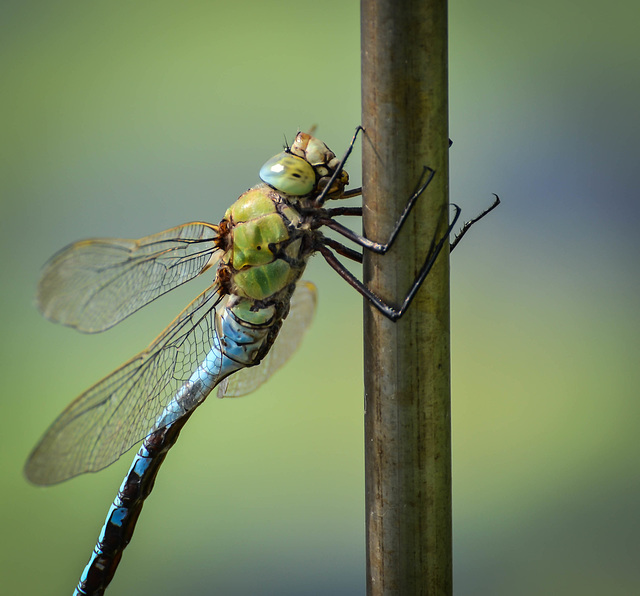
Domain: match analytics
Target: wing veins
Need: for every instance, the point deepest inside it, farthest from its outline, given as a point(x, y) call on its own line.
point(91, 433)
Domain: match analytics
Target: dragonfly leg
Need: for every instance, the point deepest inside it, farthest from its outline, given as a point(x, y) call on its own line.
point(383, 248)
point(337, 211)
point(359, 239)
point(352, 192)
point(323, 195)
point(343, 250)
point(391, 312)
point(465, 228)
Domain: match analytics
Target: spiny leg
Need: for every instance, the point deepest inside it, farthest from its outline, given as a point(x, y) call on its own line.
point(465, 228)
point(357, 211)
point(323, 195)
point(329, 214)
point(326, 218)
point(338, 211)
point(352, 192)
point(385, 308)
point(380, 248)
point(343, 250)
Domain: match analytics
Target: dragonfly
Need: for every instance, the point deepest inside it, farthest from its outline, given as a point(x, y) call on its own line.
point(233, 336)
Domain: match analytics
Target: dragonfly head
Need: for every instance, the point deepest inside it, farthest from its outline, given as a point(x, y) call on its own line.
point(323, 161)
point(304, 168)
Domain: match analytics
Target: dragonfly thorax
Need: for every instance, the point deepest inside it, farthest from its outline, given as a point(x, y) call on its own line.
point(265, 252)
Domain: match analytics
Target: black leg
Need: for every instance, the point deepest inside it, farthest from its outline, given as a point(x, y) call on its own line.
point(323, 195)
point(386, 309)
point(343, 250)
point(324, 217)
point(337, 211)
point(353, 192)
point(377, 247)
point(465, 228)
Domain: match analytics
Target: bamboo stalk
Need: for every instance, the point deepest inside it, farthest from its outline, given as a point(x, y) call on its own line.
point(407, 367)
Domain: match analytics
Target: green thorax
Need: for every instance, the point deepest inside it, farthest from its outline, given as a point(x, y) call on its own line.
point(263, 245)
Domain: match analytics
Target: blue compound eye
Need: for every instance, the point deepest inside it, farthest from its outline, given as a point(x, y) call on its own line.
point(289, 174)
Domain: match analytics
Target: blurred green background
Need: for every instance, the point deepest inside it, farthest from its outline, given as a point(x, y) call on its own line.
point(126, 118)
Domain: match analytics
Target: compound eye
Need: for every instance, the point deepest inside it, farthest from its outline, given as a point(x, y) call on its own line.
point(289, 174)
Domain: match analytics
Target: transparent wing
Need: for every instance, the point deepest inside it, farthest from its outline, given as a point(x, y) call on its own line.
point(110, 417)
point(93, 284)
point(303, 306)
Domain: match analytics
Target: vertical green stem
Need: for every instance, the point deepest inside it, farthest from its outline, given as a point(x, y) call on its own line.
point(407, 368)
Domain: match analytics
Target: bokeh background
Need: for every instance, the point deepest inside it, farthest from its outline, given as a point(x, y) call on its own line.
point(126, 118)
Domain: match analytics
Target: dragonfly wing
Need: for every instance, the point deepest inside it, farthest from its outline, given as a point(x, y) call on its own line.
point(303, 306)
point(93, 284)
point(110, 417)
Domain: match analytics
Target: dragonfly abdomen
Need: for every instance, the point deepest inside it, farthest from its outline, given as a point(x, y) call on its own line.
point(124, 511)
point(245, 336)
